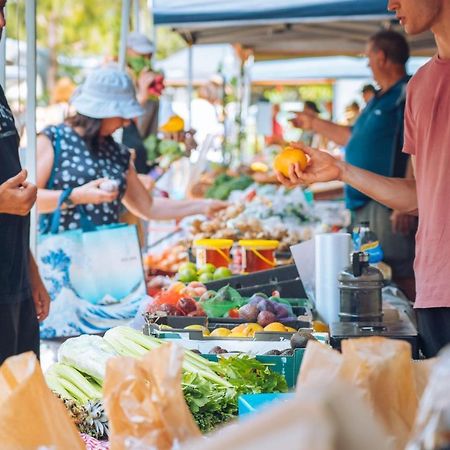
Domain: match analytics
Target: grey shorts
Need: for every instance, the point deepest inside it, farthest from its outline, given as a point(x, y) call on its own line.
point(399, 249)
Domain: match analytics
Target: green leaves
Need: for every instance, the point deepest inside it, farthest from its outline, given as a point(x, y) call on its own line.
point(224, 185)
point(210, 404)
point(139, 63)
point(165, 151)
point(250, 376)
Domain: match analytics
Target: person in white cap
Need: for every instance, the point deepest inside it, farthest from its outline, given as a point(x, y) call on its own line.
point(140, 46)
point(80, 160)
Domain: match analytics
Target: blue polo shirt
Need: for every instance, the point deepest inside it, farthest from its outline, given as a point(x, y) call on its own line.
point(377, 139)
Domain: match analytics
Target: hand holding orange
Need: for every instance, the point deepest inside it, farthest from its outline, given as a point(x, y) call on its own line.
point(289, 155)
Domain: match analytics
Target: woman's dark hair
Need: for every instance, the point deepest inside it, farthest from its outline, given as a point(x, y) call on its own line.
point(90, 126)
point(394, 45)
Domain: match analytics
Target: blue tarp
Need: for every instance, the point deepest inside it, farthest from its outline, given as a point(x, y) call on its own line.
point(183, 12)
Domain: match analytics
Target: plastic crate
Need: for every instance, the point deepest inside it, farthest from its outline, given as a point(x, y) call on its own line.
point(288, 366)
point(284, 279)
point(250, 403)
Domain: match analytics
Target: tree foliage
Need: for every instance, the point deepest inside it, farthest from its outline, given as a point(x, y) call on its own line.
point(83, 28)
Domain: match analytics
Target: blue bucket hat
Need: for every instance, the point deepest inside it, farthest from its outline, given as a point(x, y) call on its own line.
point(107, 92)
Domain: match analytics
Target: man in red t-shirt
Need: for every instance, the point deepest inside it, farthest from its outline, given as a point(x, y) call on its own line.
point(427, 140)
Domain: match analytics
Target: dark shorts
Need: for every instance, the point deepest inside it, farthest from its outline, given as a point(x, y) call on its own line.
point(399, 249)
point(434, 329)
point(19, 329)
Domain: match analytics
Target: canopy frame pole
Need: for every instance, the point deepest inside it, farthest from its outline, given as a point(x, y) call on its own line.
point(151, 8)
point(126, 6)
point(246, 101)
point(30, 23)
point(137, 20)
point(190, 86)
point(3, 59)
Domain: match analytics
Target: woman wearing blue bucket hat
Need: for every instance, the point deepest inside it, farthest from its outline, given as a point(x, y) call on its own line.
point(81, 157)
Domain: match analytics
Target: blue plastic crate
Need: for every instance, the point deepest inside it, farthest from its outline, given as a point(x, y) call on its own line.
point(250, 403)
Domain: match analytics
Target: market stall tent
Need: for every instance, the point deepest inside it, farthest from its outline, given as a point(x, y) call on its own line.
point(208, 59)
point(320, 68)
point(286, 28)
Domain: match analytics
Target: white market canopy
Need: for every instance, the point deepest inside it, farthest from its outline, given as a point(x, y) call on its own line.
point(285, 28)
point(209, 58)
point(319, 68)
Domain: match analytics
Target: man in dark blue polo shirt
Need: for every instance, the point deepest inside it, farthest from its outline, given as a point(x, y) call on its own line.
point(23, 298)
point(375, 143)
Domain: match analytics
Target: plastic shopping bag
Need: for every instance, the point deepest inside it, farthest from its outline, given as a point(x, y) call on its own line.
point(382, 371)
point(432, 429)
point(31, 417)
point(145, 403)
point(329, 417)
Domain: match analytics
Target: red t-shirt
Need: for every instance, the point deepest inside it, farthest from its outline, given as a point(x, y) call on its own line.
point(427, 137)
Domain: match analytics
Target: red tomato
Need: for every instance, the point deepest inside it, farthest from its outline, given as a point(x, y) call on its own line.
point(233, 313)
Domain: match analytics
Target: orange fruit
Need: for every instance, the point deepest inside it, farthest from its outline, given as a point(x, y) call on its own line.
point(320, 327)
point(288, 156)
point(251, 329)
point(275, 326)
point(220, 332)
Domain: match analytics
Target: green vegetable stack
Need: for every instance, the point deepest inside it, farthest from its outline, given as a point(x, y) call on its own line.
point(224, 184)
point(211, 389)
point(165, 152)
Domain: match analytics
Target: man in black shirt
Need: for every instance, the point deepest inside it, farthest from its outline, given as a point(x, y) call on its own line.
point(23, 297)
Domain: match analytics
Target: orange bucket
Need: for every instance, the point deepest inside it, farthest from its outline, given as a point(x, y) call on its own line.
point(213, 251)
point(258, 254)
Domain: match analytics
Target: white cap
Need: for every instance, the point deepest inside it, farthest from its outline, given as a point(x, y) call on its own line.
point(140, 43)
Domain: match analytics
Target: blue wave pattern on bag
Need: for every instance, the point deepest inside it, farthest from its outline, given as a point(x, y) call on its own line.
point(95, 279)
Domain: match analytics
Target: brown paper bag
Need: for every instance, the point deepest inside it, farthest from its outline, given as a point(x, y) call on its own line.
point(145, 403)
point(31, 417)
point(383, 373)
point(330, 417)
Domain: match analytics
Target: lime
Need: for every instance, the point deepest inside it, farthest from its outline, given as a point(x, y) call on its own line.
point(187, 275)
point(207, 268)
point(222, 272)
point(187, 265)
point(206, 277)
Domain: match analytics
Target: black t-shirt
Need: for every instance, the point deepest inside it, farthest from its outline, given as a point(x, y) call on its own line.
point(14, 230)
point(132, 139)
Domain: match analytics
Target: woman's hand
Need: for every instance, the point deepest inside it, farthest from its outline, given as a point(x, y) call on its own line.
point(91, 193)
point(211, 207)
point(321, 167)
